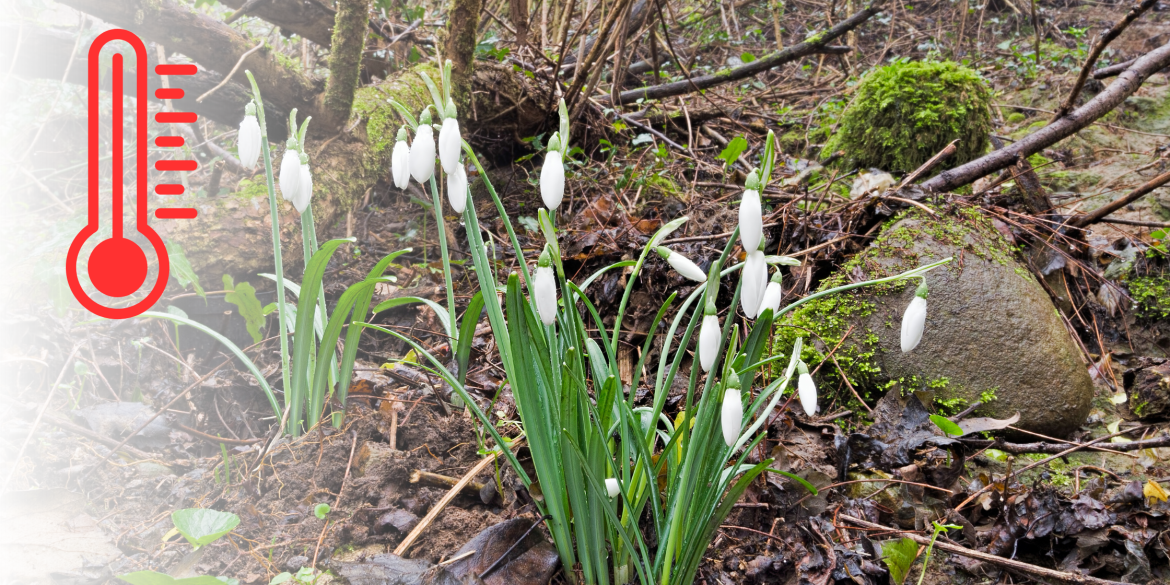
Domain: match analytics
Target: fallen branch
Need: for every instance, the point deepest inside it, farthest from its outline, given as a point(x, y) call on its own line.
point(818, 43)
point(1050, 448)
point(1112, 70)
point(1099, 214)
point(1009, 564)
point(1127, 83)
point(1098, 47)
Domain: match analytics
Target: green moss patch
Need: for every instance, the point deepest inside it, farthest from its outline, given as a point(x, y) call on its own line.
point(907, 112)
point(1151, 296)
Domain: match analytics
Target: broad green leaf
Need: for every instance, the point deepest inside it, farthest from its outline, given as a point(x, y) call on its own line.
point(321, 511)
point(803, 482)
point(243, 296)
point(181, 268)
point(899, 556)
point(946, 426)
point(156, 578)
point(440, 312)
point(733, 150)
point(202, 526)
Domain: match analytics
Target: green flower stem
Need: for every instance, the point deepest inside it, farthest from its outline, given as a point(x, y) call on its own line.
point(440, 223)
point(282, 310)
point(503, 214)
point(914, 273)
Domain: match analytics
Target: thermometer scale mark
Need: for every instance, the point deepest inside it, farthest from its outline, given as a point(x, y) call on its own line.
point(117, 266)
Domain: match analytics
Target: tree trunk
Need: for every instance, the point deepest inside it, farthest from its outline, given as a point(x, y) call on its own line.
point(459, 47)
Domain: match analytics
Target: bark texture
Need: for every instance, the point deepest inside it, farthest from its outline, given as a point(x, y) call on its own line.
point(349, 39)
point(459, 47)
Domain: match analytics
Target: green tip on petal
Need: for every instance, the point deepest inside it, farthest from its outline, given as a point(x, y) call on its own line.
point(801, 367)
point(304, 159)
point(402, 137)
point(753, 181)
point(663, 251)
point(554, 143)
point(777, 277)
point(451, 113)
point(922, 290)
point(425, 117)
point(250, 109)
point(733, 380)
point(545, 258)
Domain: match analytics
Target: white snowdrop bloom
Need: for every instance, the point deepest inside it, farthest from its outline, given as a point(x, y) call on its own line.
point(400, 161)
point(450, 141)
point(751, 215)
point(755, 282)
point(772, 295)
point(305, 193)
point(914, 319)
point(290, 171)
point(422, 151)
point(248, 139)
point(552, 175)
point(612, 487)
point(457, 187)
point(709, 335)
point(544, 289)
point(732, 412)
point(807, 390)
point(682, 264)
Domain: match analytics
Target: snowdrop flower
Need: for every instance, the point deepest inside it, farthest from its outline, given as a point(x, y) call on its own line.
point(732, 414)
point(457, 186)
point(248, 138)
point(751, 214)
point(612, 488)
point(290, 171)
point(709, 334)
point(755, 283)
point(422, 152)
point(772, 295)
point(450, 142)
point(400, 161)
point(552, 175)
point(544, 289)
point(914, 319)
point(806, 389)
point(305, 192)
point(682, 264)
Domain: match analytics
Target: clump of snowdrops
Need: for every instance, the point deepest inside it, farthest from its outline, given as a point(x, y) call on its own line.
point(600, 459)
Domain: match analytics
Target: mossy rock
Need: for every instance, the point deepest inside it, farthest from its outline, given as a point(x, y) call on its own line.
point(907, 112)
point(990, 326)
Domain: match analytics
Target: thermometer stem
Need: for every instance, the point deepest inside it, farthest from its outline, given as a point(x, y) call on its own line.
point(117, 130)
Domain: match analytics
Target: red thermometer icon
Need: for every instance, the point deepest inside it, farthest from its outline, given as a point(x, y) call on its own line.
point(117, 267)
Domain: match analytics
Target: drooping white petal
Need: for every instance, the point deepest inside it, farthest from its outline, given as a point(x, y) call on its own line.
point(808, 394)
point(450, 143)
point(612, 488)
point(772, 297)
point(305, 193)
point(400, 164)
point(685, 267)
point(732, 416)
point(544, 288)
point(913, 321)
point(755, 282)
point(249, 142)
point(422, 154)
point(709, 334)
point(290, 175)
point(457, 187)
point(552, 180)
point(751, 220)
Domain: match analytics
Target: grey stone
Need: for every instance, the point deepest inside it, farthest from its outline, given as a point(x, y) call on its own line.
point(989, 324)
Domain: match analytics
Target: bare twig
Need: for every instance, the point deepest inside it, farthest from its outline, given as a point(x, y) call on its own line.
point(1098, 47)
point(337, 501)
point(228, 77)
point(1020, 448)
point(926, 166)
point(40, 415)
point(1098, 214)
point(1009, 564)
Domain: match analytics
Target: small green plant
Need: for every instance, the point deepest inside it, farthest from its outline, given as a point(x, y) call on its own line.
point(304, 576)
point(200, 527)
point(227, 466)
point(945, 425)
point(321, 511)
point(899, 555)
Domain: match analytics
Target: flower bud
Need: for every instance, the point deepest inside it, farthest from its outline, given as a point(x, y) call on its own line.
point(290, 171)
point(682, 264)
point(732, 411)
point(806, 389)
point(751, 220)
point(772, 295)
point(450, 141)
point(422, 151)
point(400, 161)
point(457, 187)
point(552, 179)
point(248, 139)
point(612, 487)
point(755, 282)
point(914, 319)
point(709, 335)
point(544, 289)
